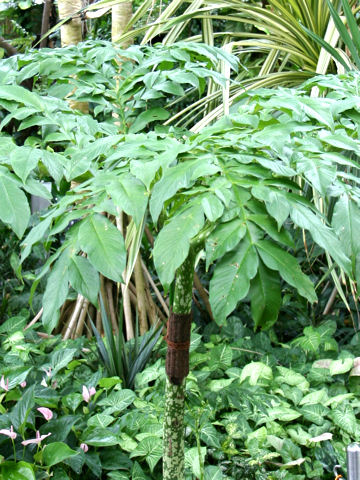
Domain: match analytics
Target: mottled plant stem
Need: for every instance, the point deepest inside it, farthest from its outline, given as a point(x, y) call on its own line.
point(173, 458)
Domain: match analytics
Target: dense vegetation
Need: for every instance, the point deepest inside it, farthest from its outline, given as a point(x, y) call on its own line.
point(174, 187)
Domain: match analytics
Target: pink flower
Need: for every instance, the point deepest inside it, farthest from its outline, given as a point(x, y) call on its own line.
point(84, 447)
point(10, 433)
point(39, 438)
point(87, 394)
point(43, 382)
point(48, 414)
point(3, 385)
point(48, 371)
point(23, 384)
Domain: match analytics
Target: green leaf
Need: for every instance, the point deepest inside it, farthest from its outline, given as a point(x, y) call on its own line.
point(24, 160)
point(175, 178)
point(99, 437)
point(265, 296)
point(20, 412)
point(231, 280)
point(314, 413)
point(57, 452)
point(292, 378)
point(346, 222)
point(151, 115)
point(193, 460)
point(17, 471)
point(173, 242)
point(34, 236)
point(151, 449)
point(100, 420)
point(56, 291)
point(224, 238)
point(213, 473)
point(340, 366)
point(343, 416)
point(320, 174)
point(21, 95)
point(61, 358)
point(84, 278)
point(220, 357)
point(277, 259)
point(256, 371)
point(322, 235)
point(212, 206)
point(319, 396)
point(118, 401)
point(14, 207)
point(130, 196)
point(104, 246)
point(13, 324)
point(210, 435)
point(283, 414)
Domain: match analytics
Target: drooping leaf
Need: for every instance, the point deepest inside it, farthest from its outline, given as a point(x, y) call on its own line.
point(104, 246)
point(84, 278)
point(173, 242)
point(223, 239)
point(56, 291)
point(277, 259)
point(231, 280)
point(265, 295)
point(14, 207)
point(130, 196)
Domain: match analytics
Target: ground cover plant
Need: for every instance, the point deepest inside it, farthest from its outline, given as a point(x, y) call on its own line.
point(255, 408)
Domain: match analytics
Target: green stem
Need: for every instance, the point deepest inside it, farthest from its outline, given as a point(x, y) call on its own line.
point(174, 458)
point(14, 449)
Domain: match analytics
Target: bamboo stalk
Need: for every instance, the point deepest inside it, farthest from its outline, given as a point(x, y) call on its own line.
point(203, 294)
point(141, 296)
point(151, 307)
point(35, 319)
point(98, 321)
point(82, 317)
point(129, 326)
point(156, 290)
point(74, 317)
point(109, 291)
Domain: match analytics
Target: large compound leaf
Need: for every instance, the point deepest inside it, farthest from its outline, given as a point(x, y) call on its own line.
point(14, 207)
point(277, 259)
point(231, 280)
point(104, 246)
point(173, 242)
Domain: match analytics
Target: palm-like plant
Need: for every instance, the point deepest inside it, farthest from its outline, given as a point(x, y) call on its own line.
point(281, 52)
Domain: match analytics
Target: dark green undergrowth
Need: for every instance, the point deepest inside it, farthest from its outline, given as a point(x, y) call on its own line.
point(256, 408)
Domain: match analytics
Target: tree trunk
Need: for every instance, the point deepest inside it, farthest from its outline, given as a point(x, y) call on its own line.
point(45, 22)
point(71, 32)
point(9, 49)
point(120, 17)
point(177, 368)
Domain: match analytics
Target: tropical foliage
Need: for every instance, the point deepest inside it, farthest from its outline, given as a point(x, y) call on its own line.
point(170, 176)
